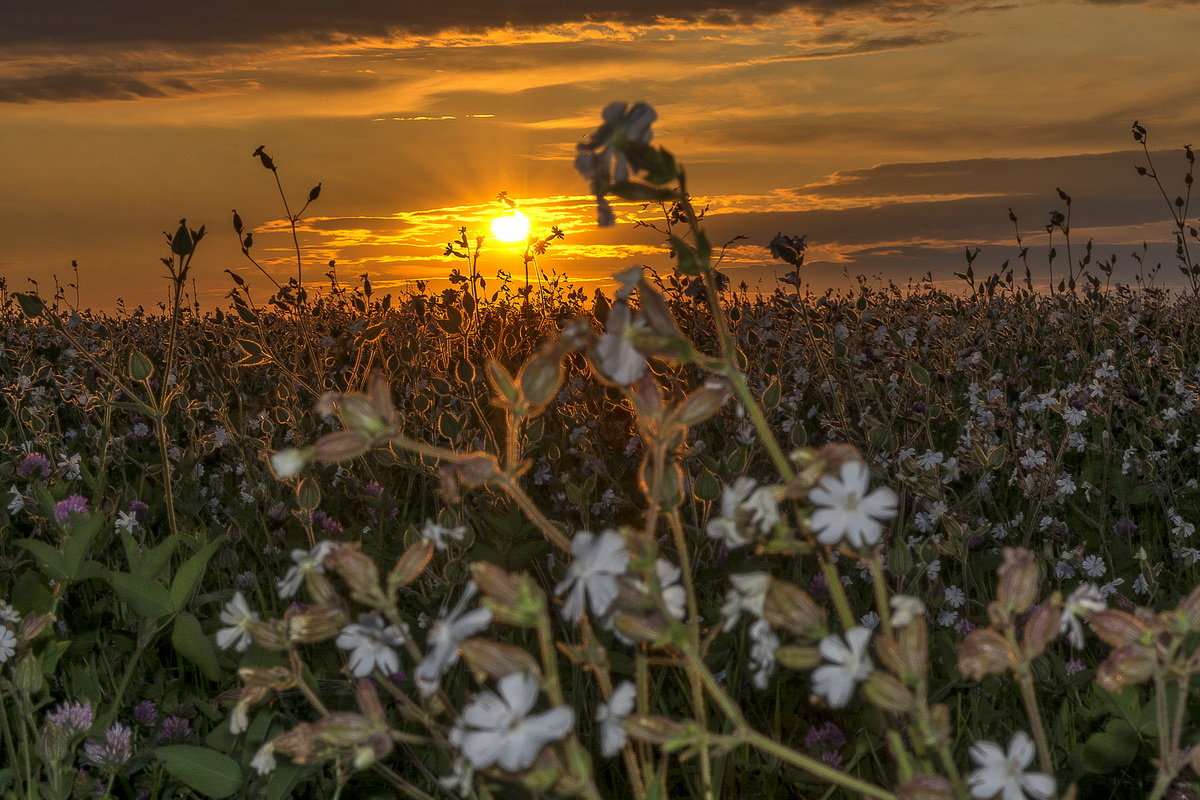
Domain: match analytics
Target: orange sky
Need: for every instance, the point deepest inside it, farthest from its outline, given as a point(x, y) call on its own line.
point(893, 135)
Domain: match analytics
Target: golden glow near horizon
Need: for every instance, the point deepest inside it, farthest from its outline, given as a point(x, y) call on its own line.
point(892, 139)
point(511, 227)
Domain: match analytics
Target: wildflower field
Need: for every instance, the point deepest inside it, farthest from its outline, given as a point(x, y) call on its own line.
point(677, 541)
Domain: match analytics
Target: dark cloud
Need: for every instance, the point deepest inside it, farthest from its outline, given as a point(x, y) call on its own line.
point(86, 21)
point(77, 85)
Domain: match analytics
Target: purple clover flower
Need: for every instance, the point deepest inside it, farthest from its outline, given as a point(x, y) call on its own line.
point(173, 729)
point(72, 718)
point(115, 750)
point(34, 462)
point(139, 510)
point(827, 736)
point(146, 713)
point(65, 509)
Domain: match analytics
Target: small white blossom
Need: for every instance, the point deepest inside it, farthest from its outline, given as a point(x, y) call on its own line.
point(1093, 566)
point(288, 462)
point(306, 561)
point(955, 597)
point(748, 594)
point(438, 534)
point(264, 760)
point(905, 609)
point(846, 511)
point(609, 716)
point(496, 729)
point(1003, 774)
point(445, 638)
point(370, 642)
point(849, 666)
point(126, 521)
point(592, 576)
point(763, 644)
point(17, 503)
point(237, 616)
point(8, 644)
point(1084, 600)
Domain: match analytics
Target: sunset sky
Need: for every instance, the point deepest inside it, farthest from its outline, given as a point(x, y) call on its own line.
point(892, 134)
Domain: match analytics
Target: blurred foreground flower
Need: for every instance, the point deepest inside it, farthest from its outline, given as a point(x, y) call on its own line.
point(609, 716)
point(845, 510)
point(1003, 774)
point(592, 575)
point(850, 666)
point(496, 729)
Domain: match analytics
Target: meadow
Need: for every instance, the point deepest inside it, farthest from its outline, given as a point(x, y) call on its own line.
point(683, 540)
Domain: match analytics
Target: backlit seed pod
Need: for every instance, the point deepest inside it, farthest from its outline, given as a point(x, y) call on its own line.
point(358, 571)
point(275, 678)
point(655, 311)
point(1126, 666)
point(886, 692)
point(540, 378)
point(1190, 609)
point(985, 652)
point(409, 566)
point(1117, 628)
point(32, 626)
point(795, 657)
point(925, 787)
point(477, 469)
point(267, 634)
point(914, 648)
point(358, 413)
point(790, 607)
point(653, 729)
point(1041, 629)
point(1018, 586)
point(702, 404)
point(339, 446)
point(488, 659)
point(316, 623)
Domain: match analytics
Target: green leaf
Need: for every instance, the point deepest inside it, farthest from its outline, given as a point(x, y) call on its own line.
point(83, 532)
point(919, 374)
point(210, 773)
point(285, 779)
point(190, 572)
point(31, 305)
point(1111, 749)
point(189, 641)
point(30, 595)
point(149, 599)
point(149, 563)
point(49, 560)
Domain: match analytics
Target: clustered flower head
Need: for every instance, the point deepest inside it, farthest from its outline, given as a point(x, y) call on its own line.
point(113, 751)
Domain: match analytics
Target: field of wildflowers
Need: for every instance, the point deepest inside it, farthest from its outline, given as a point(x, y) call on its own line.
point(684, 541)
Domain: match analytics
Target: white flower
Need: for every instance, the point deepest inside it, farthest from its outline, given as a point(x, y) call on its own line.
point(438, 534)
point(306, 561)
point(461, 779)
point(745, 508)
point(126, 521)
point(748, 594)
point(496, 729)
point(592, 575)
point(17, 503)
point(1004, 775)
point(238, 616)
point(8, 644)
point(955, 597)
point(846, 511)
point(763, 644)
point(445, 637)
point(850, 665)
point(616, 355)
point(905, 609)
point(1083, 601)
point(674, 596)
point(264, 760)
point(370, 641)
point(287, 463)
point(609, 716)
point(1094, 566)
point(8, 613)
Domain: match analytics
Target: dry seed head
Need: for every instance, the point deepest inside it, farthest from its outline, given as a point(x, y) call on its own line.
point(1041, 629)
point(886, 692)
point(1126, 666)
point(488, 659)
point(985, 652)
point(790, 607)
point(1018, 585)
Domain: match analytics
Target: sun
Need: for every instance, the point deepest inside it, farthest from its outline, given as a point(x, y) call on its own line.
point(512, 227)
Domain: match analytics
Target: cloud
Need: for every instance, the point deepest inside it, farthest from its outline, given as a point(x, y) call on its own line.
point(77, 85)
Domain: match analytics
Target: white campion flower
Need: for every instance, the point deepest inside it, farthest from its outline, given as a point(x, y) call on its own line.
point(8, 644)
point(370, 642)
point(17, 503)
point(609, 716)
point(1086, 599)
point(1003, 774)
point(264, 760)
point(748, 594)
point(592, 575)
point(237, 616)
point(306, 561)
point(288, 462)
point(905, 609)
point(126, 521)
point(438, 534)
point(495, 729)
point(763, 644)
point(615, 352)
point(846, 511)
point(8, 613)
point(446, 636)
point(850, 665)
point(674, 596)
point(746, 508)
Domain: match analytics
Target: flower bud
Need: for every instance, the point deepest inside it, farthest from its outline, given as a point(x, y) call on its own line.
point(641, 628)
point(359, 414)
point(308, 494)
point(409, 566)
point(540, 378)
point(939, 718)
point(316, 623)
point(985, 652)
point(267, 634)
point(1126, 666)
point(340, 446)
point(1040, 629)
point(1018, 584)
point(488, 659)
point(379, 394)
point(278, 679)
point(28, 675)
point(320, 589)
point(32, 626)
point(702, 404)
point(886, 692)
point(476, 469)
point(914, 648)
point(790, 607)
point(503, 384)
point(925, 787)
point(513, 599)
point(358, 571)
point(368, 702)
point(1117, 628)
point(653, 729)
point(795, 657)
